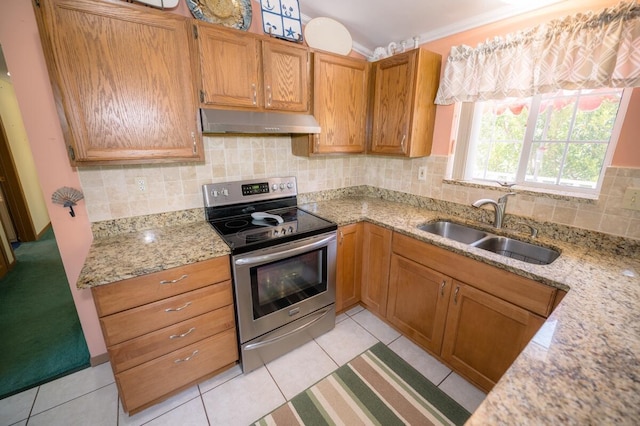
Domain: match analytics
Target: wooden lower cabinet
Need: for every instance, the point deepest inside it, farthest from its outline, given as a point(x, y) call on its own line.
point(349, 259)
point(485, 334)
point(140, 386)
point(478, 327)
point(418, 301)
point(376, 257)
point(168, 330)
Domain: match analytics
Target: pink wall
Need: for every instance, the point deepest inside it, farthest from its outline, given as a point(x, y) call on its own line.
point(23, 53)
point(627, 151)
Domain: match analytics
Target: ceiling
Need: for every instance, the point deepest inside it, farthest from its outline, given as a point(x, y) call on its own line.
point(376, 23)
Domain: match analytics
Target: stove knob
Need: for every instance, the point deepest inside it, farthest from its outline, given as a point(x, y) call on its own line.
point(215, 193)
point(282, 186)
point(274, 187)
point(225, 192)
point(275, 232)
point(289, 185)
point(291, 229)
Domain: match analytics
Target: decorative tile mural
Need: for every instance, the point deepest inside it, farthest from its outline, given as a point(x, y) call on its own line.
point(281, 18)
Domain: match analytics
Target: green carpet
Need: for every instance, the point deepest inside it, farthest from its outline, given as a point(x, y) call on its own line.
point(40, 334)
point(378, 387)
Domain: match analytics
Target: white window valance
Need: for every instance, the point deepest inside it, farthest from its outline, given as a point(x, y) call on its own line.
point(583, 51)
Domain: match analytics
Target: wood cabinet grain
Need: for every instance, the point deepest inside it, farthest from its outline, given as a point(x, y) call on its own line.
point(403, 113)
point(239, 70)
point(169, 330)
point(485, 334)
point(340, 88)
point(418, 301)
point(348, 266)
point(123, 81)
point(376, 258)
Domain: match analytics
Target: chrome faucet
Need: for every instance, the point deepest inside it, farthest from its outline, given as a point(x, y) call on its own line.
point(499, 207)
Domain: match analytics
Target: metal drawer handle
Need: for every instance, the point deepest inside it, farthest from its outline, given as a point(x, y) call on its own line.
point(179, 360)
point(255, 94)
point(185, 334)
point(174, 281)
point(455, 295)
point(444, 282)
point(269, 97)
point(178, 309)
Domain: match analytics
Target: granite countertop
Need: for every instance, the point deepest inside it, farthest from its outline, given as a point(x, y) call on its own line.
point(127, 255)
point(583, 367)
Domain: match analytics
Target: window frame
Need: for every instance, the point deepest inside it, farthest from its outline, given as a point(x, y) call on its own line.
point(466, 122)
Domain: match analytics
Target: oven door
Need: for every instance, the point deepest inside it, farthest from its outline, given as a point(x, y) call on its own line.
point(277, 285)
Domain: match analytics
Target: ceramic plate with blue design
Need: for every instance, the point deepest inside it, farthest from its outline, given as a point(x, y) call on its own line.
point(281, 18)
point(230, 13)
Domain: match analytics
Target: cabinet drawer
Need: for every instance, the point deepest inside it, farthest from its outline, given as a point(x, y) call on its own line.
point(145, 384)
point(127, 294)
point(145, 319)
point(136, 351)
point(526, 293)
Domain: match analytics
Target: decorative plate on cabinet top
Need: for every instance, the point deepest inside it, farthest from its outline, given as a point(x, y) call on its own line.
point(230, 13)
point(329, 35)
point(281, 18)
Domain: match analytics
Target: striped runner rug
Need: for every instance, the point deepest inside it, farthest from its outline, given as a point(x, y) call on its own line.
point(375, 388)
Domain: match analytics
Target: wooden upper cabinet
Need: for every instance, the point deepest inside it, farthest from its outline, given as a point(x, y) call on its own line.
point(230, 67)
point(403, 112)
point(340, 86)
point(122, 76)
point(240, 70)
point(286, 76)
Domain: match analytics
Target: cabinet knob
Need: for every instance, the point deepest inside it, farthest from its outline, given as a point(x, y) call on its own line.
point(402, 144)
point(455, 295)
point(341, 237)
point(269, 98)
point(444, 283)
point(255, 94)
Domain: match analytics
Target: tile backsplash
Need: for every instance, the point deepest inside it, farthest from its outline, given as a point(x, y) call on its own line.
point(111, 191)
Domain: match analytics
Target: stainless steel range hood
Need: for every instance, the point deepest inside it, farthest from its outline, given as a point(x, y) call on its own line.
point(222, 121)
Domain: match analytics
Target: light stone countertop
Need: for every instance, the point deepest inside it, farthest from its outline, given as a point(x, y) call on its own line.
point(583, 366)
point(128, 255)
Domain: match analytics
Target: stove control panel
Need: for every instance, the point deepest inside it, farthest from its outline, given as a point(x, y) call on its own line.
point(243, 191)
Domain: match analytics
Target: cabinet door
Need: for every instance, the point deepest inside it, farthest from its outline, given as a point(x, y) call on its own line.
point(124, 77)
point(340, 103)
point(286, 76)
point(418, 301)
point(349, 262)
point(392, 103)
point(484, 334)
point(376, 256)
point(230, 67)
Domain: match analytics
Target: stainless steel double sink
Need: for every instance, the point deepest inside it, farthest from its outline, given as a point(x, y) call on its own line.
point(504, 246)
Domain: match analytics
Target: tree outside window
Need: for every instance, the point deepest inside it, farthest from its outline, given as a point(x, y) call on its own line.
point(559, 140)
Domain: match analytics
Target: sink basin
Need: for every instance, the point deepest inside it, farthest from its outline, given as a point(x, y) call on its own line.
point(453, 231)
point(520, 250)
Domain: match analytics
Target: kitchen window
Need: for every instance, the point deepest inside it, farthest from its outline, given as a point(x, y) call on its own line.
point(559, 141)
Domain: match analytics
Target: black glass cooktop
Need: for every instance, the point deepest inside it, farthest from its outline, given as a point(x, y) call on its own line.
point(244, 233)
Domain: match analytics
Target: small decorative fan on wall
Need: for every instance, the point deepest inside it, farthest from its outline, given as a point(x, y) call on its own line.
point(67, 197)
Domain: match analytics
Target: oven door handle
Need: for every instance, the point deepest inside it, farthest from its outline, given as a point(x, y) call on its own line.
point(284, 254)
point(320, 314)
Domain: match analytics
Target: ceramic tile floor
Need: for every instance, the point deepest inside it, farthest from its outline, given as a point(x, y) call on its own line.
point(89, 397)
